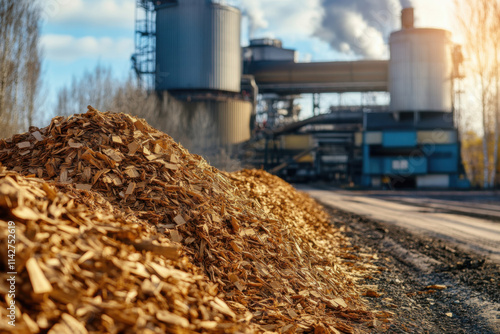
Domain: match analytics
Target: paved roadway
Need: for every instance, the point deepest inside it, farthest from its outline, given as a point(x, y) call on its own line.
point(468, 219)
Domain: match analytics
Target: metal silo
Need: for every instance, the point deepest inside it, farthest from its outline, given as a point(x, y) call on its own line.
point(420, 70)
point(233, 120)
point(197, 46)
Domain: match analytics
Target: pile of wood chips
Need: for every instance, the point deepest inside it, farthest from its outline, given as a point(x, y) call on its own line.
point(87, 268)
point(140, 235)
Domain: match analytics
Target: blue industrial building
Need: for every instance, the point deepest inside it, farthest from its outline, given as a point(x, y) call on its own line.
point(416, 150)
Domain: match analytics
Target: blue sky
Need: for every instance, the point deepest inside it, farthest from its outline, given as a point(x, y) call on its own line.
point(78, 34)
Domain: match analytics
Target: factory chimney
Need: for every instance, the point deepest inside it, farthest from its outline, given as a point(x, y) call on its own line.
point(407, 18)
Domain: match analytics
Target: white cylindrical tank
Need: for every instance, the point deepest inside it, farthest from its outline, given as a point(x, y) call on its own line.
point(420, 70)
point(198, 46)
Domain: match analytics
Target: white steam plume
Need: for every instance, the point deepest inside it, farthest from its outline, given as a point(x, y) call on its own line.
point(359, 27)
point(406, 3)
point(255, 14)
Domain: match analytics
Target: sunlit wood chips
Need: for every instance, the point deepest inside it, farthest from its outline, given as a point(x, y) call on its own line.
point(108, 200)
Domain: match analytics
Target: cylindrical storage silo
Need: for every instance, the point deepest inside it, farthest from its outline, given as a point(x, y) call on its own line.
point(198, 46)
point(232, 117)
point(420, 70)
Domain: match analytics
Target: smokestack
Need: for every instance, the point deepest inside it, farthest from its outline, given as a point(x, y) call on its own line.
point(407, 18)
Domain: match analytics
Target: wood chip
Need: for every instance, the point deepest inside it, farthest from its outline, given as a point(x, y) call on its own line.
point(73, 325)
point(38, 280)
point(235, 225)
point(116, 139)
point(37, 135)
point(169, 252)
point(24, 144)
point(157, 149)
point(171, 166)
point(87, 256)
point(340, 302)
point(175, 236)
point(222, 307)
point(172, 319)
point(133, 147)
point(130, 188)
point(64, 176)
point(32, 325)
point(73, 144)
point(113, 154)
point(132, 172)
point(23, 212)
point(82, 186)
point(372, 294)
point(436, 287)
point(179, 220)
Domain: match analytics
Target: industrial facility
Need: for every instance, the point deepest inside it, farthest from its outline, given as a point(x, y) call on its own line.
point(192, 50)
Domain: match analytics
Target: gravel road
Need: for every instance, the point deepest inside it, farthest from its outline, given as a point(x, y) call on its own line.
point(417, 246)
point(428, 215)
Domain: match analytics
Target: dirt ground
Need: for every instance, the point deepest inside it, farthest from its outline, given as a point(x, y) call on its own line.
point(409, 264)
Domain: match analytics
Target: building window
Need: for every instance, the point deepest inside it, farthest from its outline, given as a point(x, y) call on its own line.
point(400, 165)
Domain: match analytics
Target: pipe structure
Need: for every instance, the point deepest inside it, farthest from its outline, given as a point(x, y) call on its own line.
point(255, 89)
point(294, 159)
point(288, 78)
point(332, 118)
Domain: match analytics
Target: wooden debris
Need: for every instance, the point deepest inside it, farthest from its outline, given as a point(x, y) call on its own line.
point(38, 280)
point(73, 144)
point(113, 154)
point(133, 147)
point(172, 319)
point(37, 135)
point(130, 188)
point(132, 172)
point(169, 252)
point(436, 287)
point(372, 294)
point(98, 271)
point(255, 254)
point(24, 144)
point(82, 186)
point(116, 139)
point(175, 236)
point(179, 220)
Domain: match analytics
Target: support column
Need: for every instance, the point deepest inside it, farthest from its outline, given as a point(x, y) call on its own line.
point(316, 104)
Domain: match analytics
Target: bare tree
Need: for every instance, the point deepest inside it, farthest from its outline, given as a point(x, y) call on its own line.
point(476, 20)
point(130, 98)
point(32, 66)
point(495, 33)
point(96, 87)
point(20, 64)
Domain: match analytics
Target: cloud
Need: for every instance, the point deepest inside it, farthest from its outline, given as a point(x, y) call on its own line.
point(101, 13)
point(290, 20)
point(69, 48)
